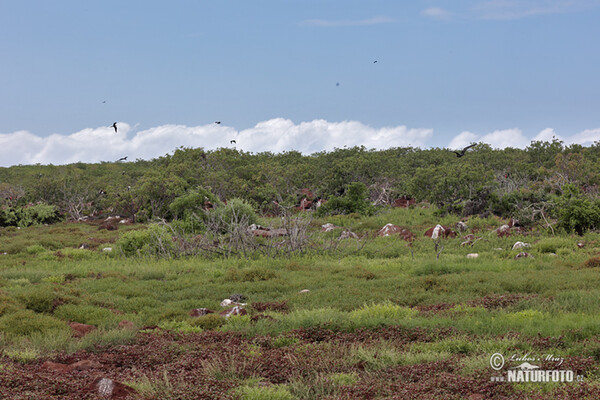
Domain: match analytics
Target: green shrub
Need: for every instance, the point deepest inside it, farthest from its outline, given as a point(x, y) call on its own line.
point(262, 393)
point(156, 241)
point(382, 313)
point(252, 274)
point(38, 298)
point(27, 322)
point(575, 212)
point(209, 321)
point(86, 314)
point(27, 216)
point(236, 212)
point(354, 201)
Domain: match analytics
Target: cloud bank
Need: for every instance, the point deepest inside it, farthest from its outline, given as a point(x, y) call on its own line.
point(276, 135)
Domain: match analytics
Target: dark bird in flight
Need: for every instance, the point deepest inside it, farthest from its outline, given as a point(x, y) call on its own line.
point(337, 84)
point(104, 102)
point(375, 62)
point(122, 159)
point(462, 152)
point(218, 122)
point(232, 141)
point(115, 126)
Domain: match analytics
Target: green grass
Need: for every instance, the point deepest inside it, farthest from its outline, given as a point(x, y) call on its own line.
point(47, 281)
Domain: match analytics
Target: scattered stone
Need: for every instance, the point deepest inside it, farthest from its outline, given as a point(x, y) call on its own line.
point(125, 324)
point(404, 202)
point(498, 248)
point(226, 303)
point(200, 312)
point(391, 229)
point(237, 310)
point(328, 227)
point(258, 317)
point(237, 298)
point(56, 367)
point(440, 231)
point(107, 249)
point(109, 389)
point(503, 231)
point(84, 365)
point(348, 235)
point(523, 254)
point(472, 255)
point(80, 330)
point(520, 245)
point(461, 226)
point(304, 291)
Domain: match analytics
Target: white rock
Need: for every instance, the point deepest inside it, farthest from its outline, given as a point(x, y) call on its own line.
point(304, 291)
point(472, 255)
point(437, 231)
point(520, 245)
point(107, 249)
point(226, 303)
point(328, 227)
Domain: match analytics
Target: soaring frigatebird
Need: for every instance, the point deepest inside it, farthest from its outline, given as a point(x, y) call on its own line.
point(115, 126)
point(462, 152)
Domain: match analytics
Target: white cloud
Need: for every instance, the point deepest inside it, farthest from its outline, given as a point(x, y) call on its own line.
point(436, 13)
point(327, 23)
point(275, 135)
point(501, 139)
point(463, 139)
point(513, 9)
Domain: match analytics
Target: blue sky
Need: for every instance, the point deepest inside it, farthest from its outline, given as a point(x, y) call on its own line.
point(447, 73)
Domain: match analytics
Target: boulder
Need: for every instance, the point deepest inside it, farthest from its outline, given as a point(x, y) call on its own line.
point(200, 312)
point(472, 255)
point(108, 389)
point(125, 324)
point(348, 235)
point(391, 229)
point(56, 367)
point(237, 310)
point(440, 231)
point(503, 231)
point(304, 291)
point(328, 227)
point(80, 330)
point(84, 365)
point(523, 254)
point(403, 202)
point(520, 245)
point(461, 226)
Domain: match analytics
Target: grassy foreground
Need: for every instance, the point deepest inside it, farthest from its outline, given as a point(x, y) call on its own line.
point(381, 319)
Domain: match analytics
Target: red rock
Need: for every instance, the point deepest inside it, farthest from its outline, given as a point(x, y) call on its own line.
point(56, 367)
point(84, 364)
point(125, 324)
point(80, 330)
point(109, 389)
point(404, 202)
point(199, 312)
point(391, 229)
point(237, 310)
point(446, 233)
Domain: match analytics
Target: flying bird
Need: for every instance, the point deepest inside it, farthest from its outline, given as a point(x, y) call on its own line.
point(462, 152)
point(104, 102)
point(218, 122)
point(115, 126)
point(232, 142)
point(337, 84)
point(375, 62)
point(122, 159)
